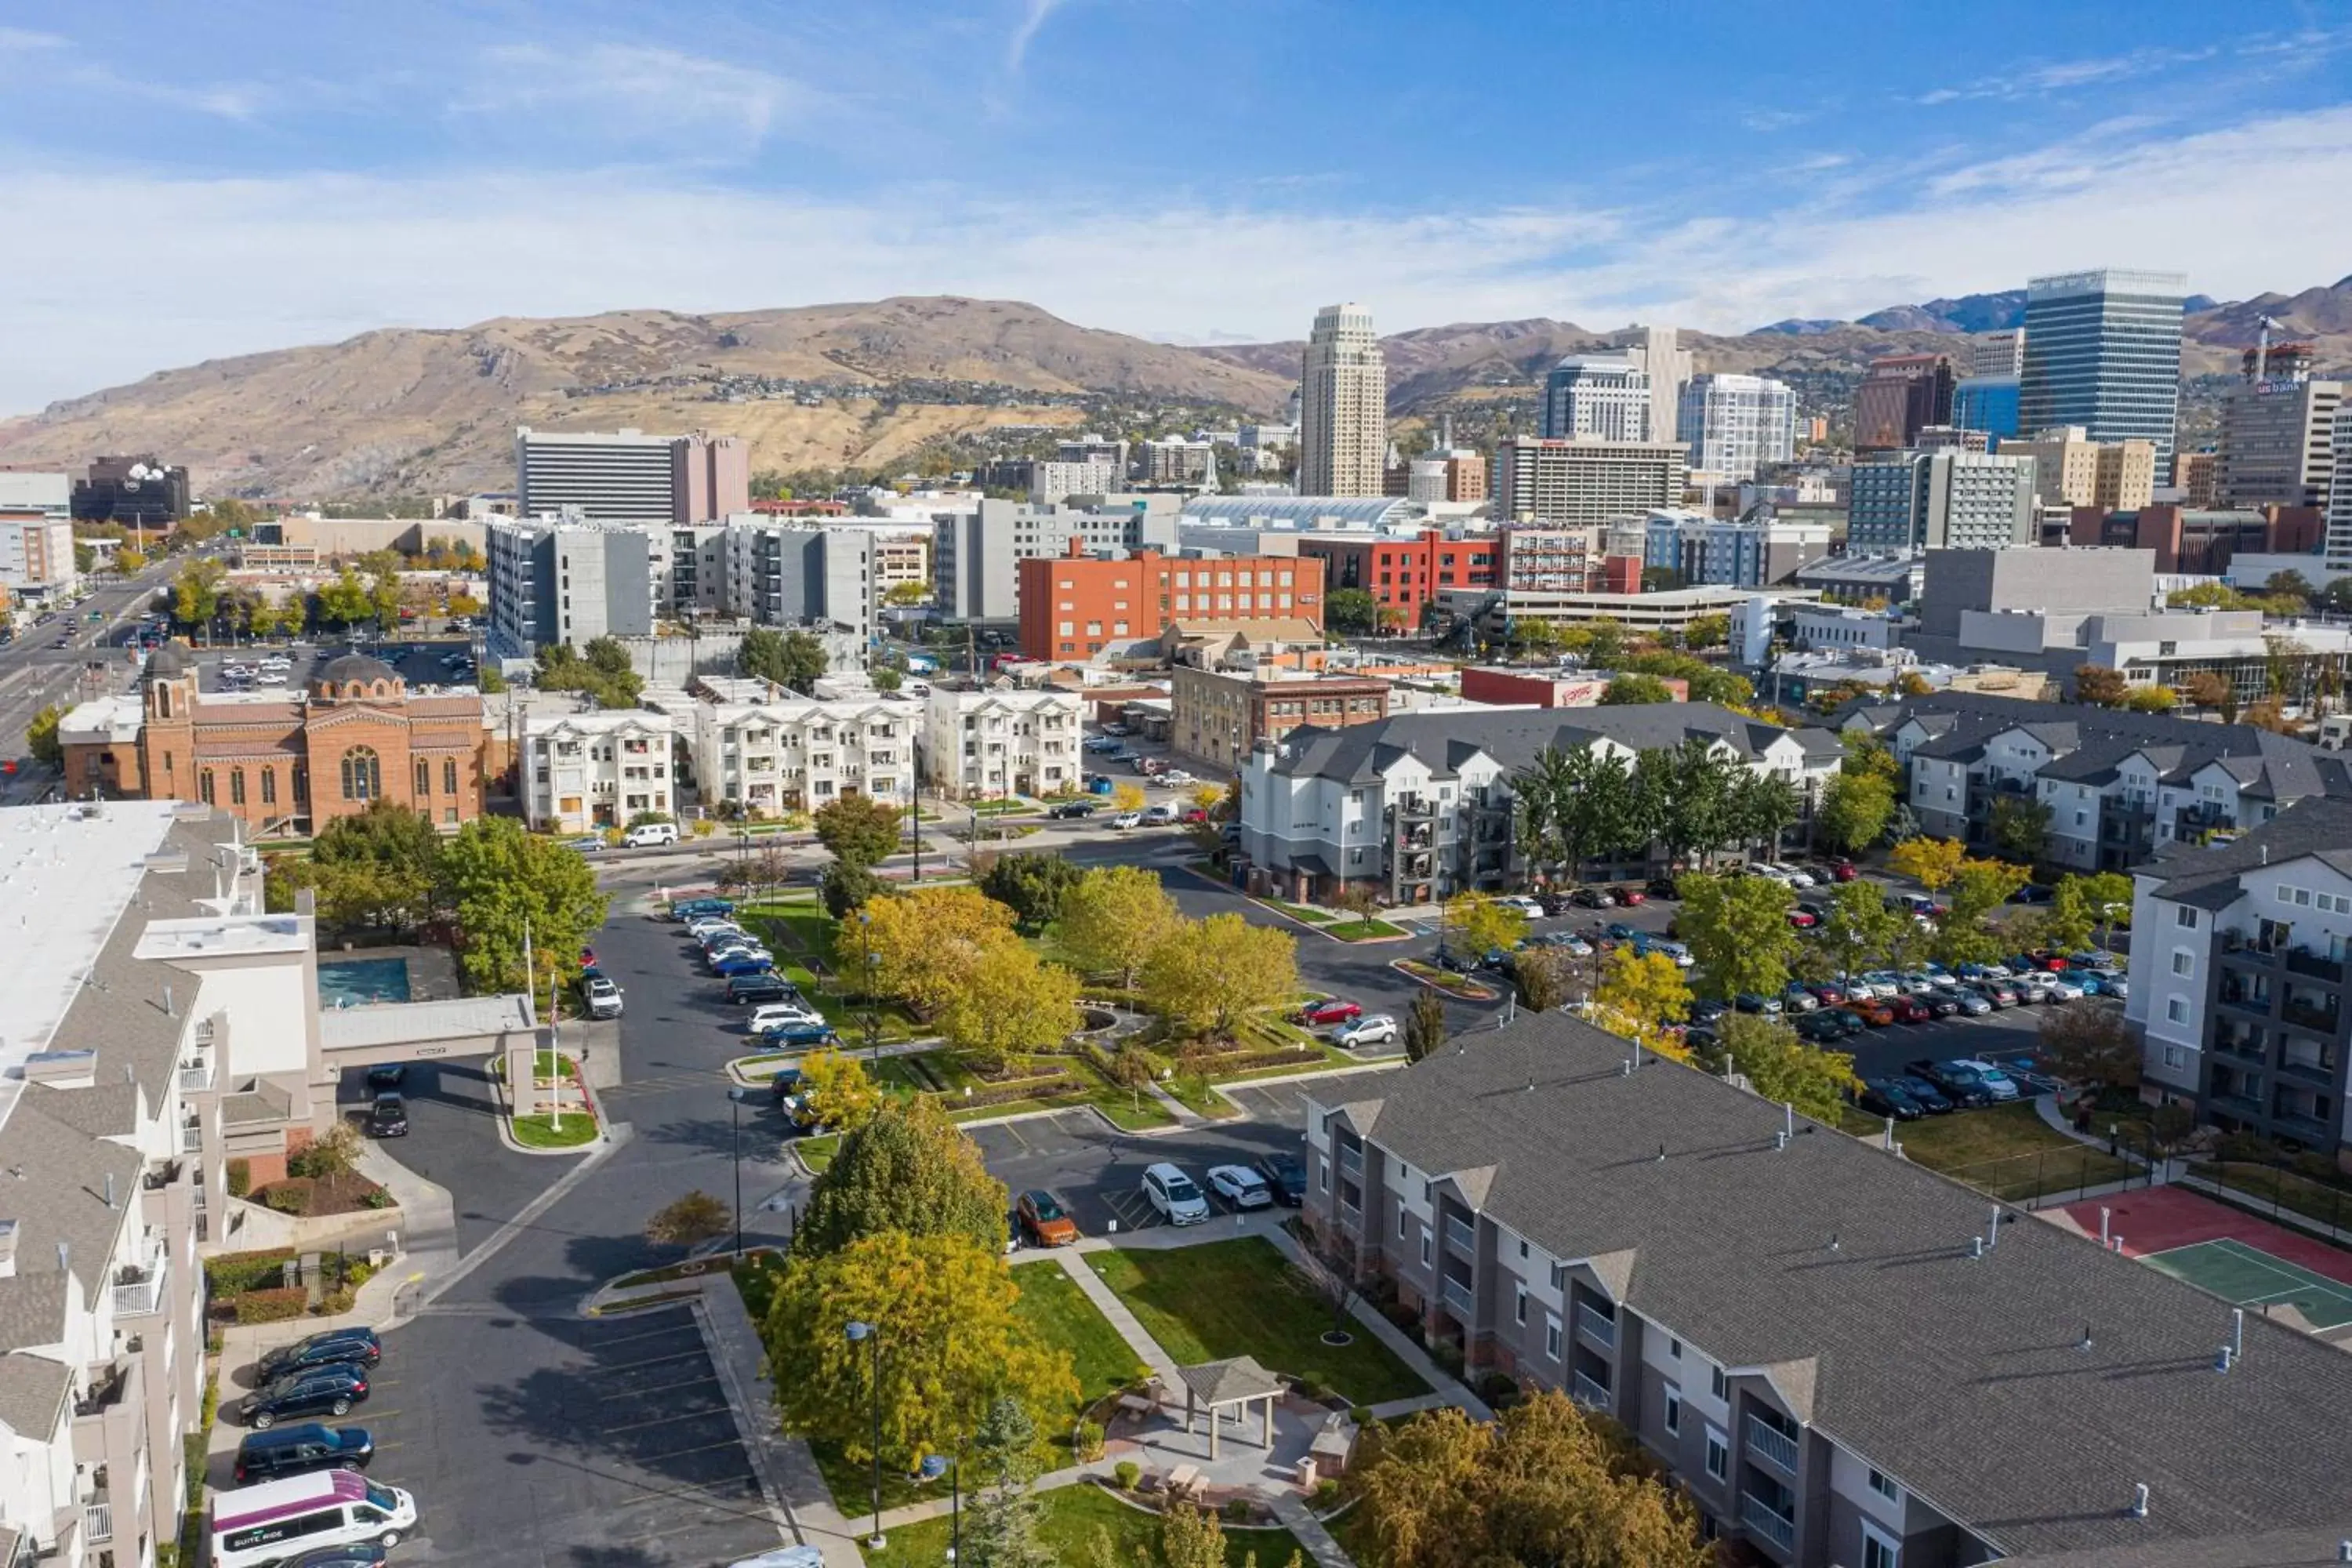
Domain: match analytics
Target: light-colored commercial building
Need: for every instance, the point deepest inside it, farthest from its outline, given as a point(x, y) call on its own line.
point(2103, 350)
point(2278, 444)
point(584, 769)
point(1090, 448)
point(2071, 469)
point(976, 556)
point(49, 496)
point(788, 574)
point(1667, 613)
point(1584, 482)
point(1175, 461)
point(37, 554)
point(1734, 424)
point(568, 582)
point(1701, 551)
point(628, 476)
point(1942, 499)
point(985, 745)
point(1218, 717)
point(2000, 353)
point(1668, 368)
point(1596, 397)
point(1343, 406)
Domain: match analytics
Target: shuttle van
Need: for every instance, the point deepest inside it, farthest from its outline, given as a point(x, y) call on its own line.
point(256, 1526)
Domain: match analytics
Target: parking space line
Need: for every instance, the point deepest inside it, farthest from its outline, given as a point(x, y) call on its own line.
point(685, 1328)
point(656, 1360)
point(734, 1443)
point(711, 1376)
point(719, 1412)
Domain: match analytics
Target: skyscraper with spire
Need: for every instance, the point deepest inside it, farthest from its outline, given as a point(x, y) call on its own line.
point(1343, 386)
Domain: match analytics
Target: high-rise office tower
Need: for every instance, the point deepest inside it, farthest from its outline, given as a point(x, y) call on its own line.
point(2103, 350)
point(1735, 424)
point(1597, 397)
point(1998, 354)
point(628, 476)
point(1343, 384)
point(2278, 440)
point(1941, 500)
point(1669, 370)
point(2339, 494)
point(1901, 395)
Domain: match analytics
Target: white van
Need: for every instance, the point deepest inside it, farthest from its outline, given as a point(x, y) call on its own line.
point(1172, 1192)
point(255, 1526)
point(651, 833)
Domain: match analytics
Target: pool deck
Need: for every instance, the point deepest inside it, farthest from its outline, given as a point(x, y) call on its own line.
point(432, 971)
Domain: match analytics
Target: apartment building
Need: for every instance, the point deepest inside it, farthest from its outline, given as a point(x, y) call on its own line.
point(760, 747)
point(2239, 955)
point(1402, 572)
point(976, 555)
point(1078, 607)
point(1046, 481)
point(1900, 395)
point(587, 769)
point(628, 476)
point(1343, 404)
point(2071, 469)
point(1844, 1357)
point(1176, 461)
point(37, 554)
point(1218, 717)
point(1566, 559)
point(556, 580)
point(1734, 424)
point(1598, 397)
point(1949, 498)
point(1747, 554)
point(2103, 350)
point(2118, 786)
point(28, 492)
point(987, 744)
point(793, 575)
point(1419, 806)
point(1584, 483)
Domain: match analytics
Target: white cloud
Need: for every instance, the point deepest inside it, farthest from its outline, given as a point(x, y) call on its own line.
point(1034, 14)
point(24, 41)
point(260, 264)
point(623, 94)
point(2035, 79)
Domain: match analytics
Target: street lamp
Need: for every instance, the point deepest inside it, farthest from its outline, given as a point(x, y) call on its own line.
point(872, 1023)
point(860, 1333)
point(736, 1096)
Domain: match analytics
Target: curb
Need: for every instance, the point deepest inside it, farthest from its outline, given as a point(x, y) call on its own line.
point(1484, 992)
point(604, 1137)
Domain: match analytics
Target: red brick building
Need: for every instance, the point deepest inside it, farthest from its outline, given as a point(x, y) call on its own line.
point(2199, 542)
point(1076, 605)
point(1545, 689)
point(1402, 573)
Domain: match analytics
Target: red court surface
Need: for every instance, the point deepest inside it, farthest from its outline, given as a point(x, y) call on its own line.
point(2157, 1219)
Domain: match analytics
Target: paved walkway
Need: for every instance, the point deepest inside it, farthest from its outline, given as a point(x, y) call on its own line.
point(1301, 1521)
point(1131, 1328)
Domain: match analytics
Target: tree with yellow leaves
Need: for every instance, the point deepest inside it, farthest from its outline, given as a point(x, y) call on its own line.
point(1640, 993)
point(1009, 1003)
point(1930, 862)
point(925, 941)
point(837, 1091)
point(1210, 974)
point(1113, 918)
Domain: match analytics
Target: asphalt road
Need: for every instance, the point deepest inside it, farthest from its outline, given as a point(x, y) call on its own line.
point(34, 672)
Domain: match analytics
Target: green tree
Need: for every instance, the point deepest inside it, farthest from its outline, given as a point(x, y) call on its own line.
point(1008, 1004)
point(2019, 828)
point(1855, 810)
point(1966, 934)
point(689, 1221)
point(501, 881)
point(950, 1337)
point(1349, 613)
point(1006, 1515)
point(379, 867)
point(1475, 922)
point(907, 1170)
point(345, 602)
point(1424, 1025)
point(2091, 1045)
point(1191, 1537)
point(1865, 753)
point(1859, 930)
point(196, 592)
point(1210, 974)
point(2100, 686)
point(1781, 1067)
point(1707, 631)
point(847, 889)
point(887, 678)
point(1760, 807)
point(792, 658)
point(1738, 933)
point(1113, 918)
point(41, 736)
point(1541, 974)
point(2106, 898)
point(1031, 886)
point(1542, 1484)
point(2068, 921)
point(1629, 689)
point(1578, 806)
point(1684, 793)
point(859, 829)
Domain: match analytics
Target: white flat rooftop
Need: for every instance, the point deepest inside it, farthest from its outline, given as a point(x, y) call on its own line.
point(378, 1024)
point(68, 873)
point(211, 937)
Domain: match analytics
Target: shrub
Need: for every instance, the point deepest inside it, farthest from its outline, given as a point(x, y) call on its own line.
point(1309, 1389)
point(272, 1306)
point(1361, 1414)
point(240, 1177)
point(1237, 1509)
point(234, 1273)
point(379, 1199)
point(293, 1195)
point(1128, 1473)
point(1088, 1441)
point(1326, 1491)
point(704, 828)
point(335, 1303)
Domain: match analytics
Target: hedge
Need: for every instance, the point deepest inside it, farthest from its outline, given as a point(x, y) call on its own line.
point(234, 1273)
point(272, 1306)
point(240, 1177)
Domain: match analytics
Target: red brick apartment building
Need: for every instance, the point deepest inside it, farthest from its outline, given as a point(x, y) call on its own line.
point(1075, 606)
point(1402, 573)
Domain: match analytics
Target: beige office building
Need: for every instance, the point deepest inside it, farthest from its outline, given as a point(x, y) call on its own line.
point(1343, 385)
point(2072, 469)
point(2278, 446)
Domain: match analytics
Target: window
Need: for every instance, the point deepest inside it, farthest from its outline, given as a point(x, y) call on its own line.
point(1885, 1485)
point(1551, 1336)
point(362, 774)
point(1424, 1247)
point(269, 786)
point(1672, 1409)
point(2185, 917)
point(1323, 1174)
point(237, 786)
point(449, 775)
point(1879, 1549)
point(2184, 962)
point(1399, 1219)
point(1718, 1454)
point(1717, 1384)
point(423, 777)
point(2176, 1009)
point(204, 785)
point(2175, 1055)
point(1523, 1249)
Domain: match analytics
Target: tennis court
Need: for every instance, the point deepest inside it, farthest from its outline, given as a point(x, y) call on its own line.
point(2249, 1277)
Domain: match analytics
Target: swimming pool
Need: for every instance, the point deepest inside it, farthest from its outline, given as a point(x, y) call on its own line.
point(356, 982)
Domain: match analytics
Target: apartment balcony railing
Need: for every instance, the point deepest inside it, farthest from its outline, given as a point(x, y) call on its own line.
point(2311, 1069)
point(2322, 1019)
point(2248, 948)
point(1351, 1161)
point(2295, 1124)
point(1588, 1392)
point(1773, 1445)
point(1598, 1327)
point(197, 1076)
point(2252, 1001)
point(2235, 1103)
point(1459, 1298)
point(2302, 961)
point(1768, 1523)
point(1461, 1235)
point(140, 1291)
point(97, 1522)
point(191, 1137)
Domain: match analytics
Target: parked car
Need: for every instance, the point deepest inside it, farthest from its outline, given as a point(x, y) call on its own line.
point(1044, 1220)
point(1631, 897)
point(1803, 918)
point(1619, 931)
point(1841, 1020)
point(1592, 898)
point(1532, 909)
point(1909, 1010)
point(1660, 887)
point(351, 1554)
point(387, 1074)
point(646, 836)
point(1842, 870)
point(1971, 1003)
point(1939, 1002)
point(765, 987)
point(1240, 1186)
point(1127, 819)
point(1795, 876)
point(1797, 999)
point(1829, 995)
point(1870, 1011)
point(318, 1391)
point(1708, 1010)
point(2000, 992)
point(587, 843)
point(1824, 1027)
point(1330, 1010)
point(1958, 1082)
point(388, 1117)
point(1159, 815)
point(742, 962)
point(2065, 988)
point(1173, 1196)
point(1999, 1084)
point(1883, 1097)
point(1750, 1001)
point(795, 1011)
point(2033, 893)
point(1555, 900)
point(798, 1032)
point(299, 1449)
point(354, 1346)
point(1926, 1095)
point(1070, 809)
point(603, 998)
point(1379, 1030)
point(1286, 1176)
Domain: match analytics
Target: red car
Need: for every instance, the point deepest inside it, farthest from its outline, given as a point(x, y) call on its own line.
point(1909, 1010)
point(1844, 871)
point(1330, 1010)
point(1629, 896)
point(1195, 814)
point(1872, 1011)
point(1804, 920)
point(2049, 962)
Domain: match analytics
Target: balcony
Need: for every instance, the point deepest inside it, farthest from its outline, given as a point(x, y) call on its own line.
point(1773, 1445)
point(1461, 1235)
point(1459, 1299)
point(1588, 1392)
point(2308, 1130)
point(2307, 1014)
point(197, 1076)
point(97, 1522)
point(1351, 1160)
point(139, 1289)
point(2302, 961)
point(1596, 1326)
point(2249, 948)
point(192, 1137)
point(2250, 999)
point(1765, 1520)
point(2312, 1067)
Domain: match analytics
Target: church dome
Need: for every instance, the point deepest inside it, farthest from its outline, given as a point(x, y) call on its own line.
point(355, 675)
point(169, 660)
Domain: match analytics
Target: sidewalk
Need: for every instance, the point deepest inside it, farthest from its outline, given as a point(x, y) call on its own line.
point(1131, 1329)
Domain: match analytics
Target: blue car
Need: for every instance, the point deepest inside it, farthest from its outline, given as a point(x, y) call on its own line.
point(728, 968)
point(813, 1034)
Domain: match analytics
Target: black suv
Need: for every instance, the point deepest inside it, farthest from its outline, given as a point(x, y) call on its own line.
point(388, 1117)
point(1287, 1176)
point(765, 987)
point(296, 1450)
point(330, 1347)
point(323, 1390)
point(1070, 809)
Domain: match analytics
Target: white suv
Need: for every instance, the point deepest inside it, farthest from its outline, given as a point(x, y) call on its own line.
point(1173, 1196)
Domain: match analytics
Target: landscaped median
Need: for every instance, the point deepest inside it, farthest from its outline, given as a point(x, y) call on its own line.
point(573, 1125)
point(1334, 923)
point(1445, 980)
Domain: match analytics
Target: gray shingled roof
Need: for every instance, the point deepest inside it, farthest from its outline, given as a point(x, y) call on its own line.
point(2207, 877)
point(33, 1390)
point(1221, 1382)
point(1516, 737)
point(1961, 1376)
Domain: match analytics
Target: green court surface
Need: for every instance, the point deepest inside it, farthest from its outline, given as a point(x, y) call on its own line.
point(2252, 1278)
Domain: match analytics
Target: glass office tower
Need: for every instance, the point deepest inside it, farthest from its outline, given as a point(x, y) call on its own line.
point(2103, 350)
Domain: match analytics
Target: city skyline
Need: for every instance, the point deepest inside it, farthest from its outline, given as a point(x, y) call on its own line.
point(315, 182)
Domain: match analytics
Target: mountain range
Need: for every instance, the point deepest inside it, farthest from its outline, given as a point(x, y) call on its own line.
point(408, 410)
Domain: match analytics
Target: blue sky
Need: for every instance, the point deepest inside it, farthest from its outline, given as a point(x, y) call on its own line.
point(184, 181)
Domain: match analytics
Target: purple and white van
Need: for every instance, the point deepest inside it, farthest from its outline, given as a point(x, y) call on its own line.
point(256, 1526)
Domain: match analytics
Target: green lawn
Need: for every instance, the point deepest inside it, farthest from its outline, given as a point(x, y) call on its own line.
point(755, 1279)
point(1053, 1303)
point(2007, 1150)
point(1240, 1297)
point(1445, 980)
point(1313, 916)
point(1072, 1516)
point(545, 1132)
point(2330, 1205)
point(1363, 930)
point(816, 1154)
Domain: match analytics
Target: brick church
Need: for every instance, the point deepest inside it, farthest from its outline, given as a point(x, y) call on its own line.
point(285, 762)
